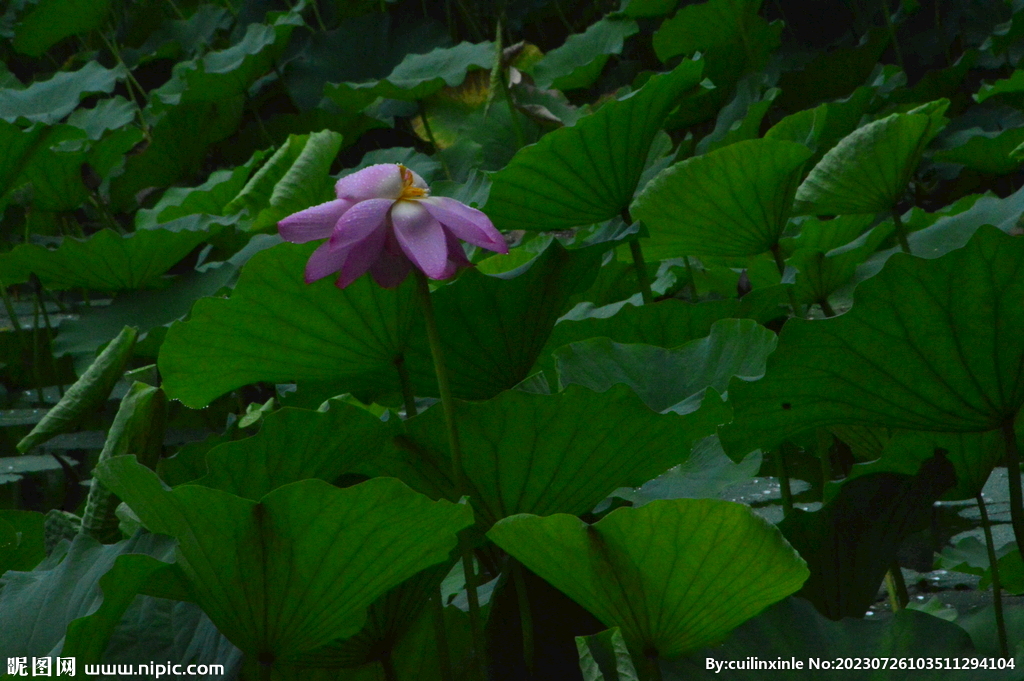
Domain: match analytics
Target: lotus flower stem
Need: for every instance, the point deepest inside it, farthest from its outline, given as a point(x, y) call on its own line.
point(640, 264)
point(901, 231)
point(825, 456)
point(1013, 478)
point(892, 34)
point(388, 666)
point(641, 271)
point(408, 397)
point(525, 616)
point(444, 657)
point(693, 281)
point(458, 472)
point(897, 587)
point(997, 587)
point(826, 308)
point(433, 140)
point(783, 474)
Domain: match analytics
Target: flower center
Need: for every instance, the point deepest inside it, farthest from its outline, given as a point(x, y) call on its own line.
point(409, 191)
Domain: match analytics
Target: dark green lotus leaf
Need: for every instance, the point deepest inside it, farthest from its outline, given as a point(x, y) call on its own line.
point(277, 328)
point(793, 630)
point(222, 74)
point(674, 378)
point(866, 443)
point(702, 26)
point(734, 201)
point(986, 152)
point(54, 171)
point(49, 159)
point(106, 261)
point(50, 21)
point(337, 63)
point(605, 657)
point(741, 118)
point(21, 539)
point(579, 61)
point(851, 542)
point(295, 444)
point(138, 429)
point(973, 455)
point(150, 309)
point(421, 75)
point(88, 636)
point(36, 607)
point(928, 345)
point(179, 138)
point(542, 454)
point(673, 575)
point(415, 654)
point(729, 34)
point(210, 198)
point(255, 567)
point(827, 253)
point(708, 473)
point(294, 179)
point(108, 114)
point(180, 38)
point(1013, 86)
point(49, 101)
point(494, 328)
point(970, 556)
point(388, 620)
point(87, 393)
point(868, 171)
point(834, 74)
point(19, 146)
point(588, 172)
point(668, 324)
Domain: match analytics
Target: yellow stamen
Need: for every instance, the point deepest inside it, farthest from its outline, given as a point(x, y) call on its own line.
point(408, 190)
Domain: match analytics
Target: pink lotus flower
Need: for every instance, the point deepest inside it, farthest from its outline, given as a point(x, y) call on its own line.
point(385, 221)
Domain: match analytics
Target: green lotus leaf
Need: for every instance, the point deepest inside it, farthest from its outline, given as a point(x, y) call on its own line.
point(728, 33)
point(973, 455)
point(542, 454)
point(106, 261)
point(986, 152)
point(37, 607)
point(256, 568)
point(21, 539)
point(295, 444)
point(605, 657)
point(421, 75)
point(210, 198)
point(230, 72)
point(674, 378)
point(848, 557)
point(87, 393)
point(49, 101)
point(668, 324)
point(50, 21)
point(868, 171)
point(294, 179)
point(673, 575)
point(179, 137)
point(579, 61)
point(138, 429)
point(588, 172)
point(734, 201)
point(277, 328)
point(928, 345)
